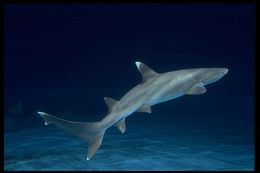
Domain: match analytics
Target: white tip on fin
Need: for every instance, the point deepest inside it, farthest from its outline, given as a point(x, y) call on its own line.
point(110, 103)
point(145, 71)
point(137, 63)
point(87, 158)
point(46, 124)
point(41, 113)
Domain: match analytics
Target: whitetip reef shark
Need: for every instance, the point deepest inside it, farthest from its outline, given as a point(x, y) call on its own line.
point(154, 88)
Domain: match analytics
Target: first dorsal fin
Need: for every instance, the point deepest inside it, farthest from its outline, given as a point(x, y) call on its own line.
point(110, 103)
point(145, 71)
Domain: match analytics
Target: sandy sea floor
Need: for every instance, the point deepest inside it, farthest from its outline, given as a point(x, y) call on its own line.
point(155, 144)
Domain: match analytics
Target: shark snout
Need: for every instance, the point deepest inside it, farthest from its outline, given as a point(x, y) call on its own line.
point(225, 71)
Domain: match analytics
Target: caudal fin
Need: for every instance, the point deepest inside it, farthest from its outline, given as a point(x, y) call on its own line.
point(90, 131)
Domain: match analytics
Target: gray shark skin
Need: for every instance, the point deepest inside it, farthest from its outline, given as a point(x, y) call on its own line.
point(154, 88)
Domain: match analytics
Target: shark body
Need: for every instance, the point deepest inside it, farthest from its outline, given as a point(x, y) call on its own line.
point(154, 88)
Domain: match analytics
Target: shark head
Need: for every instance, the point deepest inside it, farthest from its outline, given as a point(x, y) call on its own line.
point(213, 75)
point(208, 75)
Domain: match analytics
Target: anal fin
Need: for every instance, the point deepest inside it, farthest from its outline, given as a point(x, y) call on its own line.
point(121, 125)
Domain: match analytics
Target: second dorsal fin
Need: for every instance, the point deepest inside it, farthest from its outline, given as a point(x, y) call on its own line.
point(110, 103)
point(145, 71)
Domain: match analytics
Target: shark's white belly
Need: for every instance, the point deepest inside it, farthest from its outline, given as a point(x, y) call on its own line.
point(164, 99)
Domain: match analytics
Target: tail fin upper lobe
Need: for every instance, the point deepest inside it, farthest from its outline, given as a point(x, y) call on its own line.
point(90, 131)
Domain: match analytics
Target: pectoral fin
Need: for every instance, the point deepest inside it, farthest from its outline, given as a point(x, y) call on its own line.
point(145, 108)
point(121, 125)
point(196, 89)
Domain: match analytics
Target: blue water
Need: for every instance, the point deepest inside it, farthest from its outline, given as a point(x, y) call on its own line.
point(64, 59)
point(163, 140)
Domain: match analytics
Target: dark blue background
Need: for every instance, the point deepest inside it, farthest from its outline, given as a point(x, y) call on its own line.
point(63, 59)
point(72, 55)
